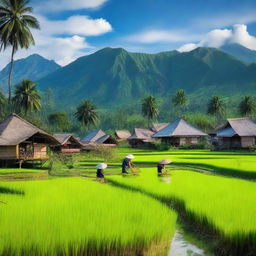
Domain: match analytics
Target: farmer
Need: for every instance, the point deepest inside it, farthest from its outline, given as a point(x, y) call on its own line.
point(100, 170)
point(161, 166)
point(127, 163)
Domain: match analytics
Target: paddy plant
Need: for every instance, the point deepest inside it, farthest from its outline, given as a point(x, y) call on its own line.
point(75, 216)
point(222, 207)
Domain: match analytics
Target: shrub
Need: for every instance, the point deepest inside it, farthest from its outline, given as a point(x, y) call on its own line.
point(104, 153)
point(162, 146)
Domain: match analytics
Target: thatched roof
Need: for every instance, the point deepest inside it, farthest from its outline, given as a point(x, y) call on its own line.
point(63, 138)
point(15, 130)
point(122, 134)
point(141, 134)
point(179, 128)
point(97, 137)
point(243, 127)
point(159, 127)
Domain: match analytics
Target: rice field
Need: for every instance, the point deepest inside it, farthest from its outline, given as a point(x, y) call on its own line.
point(224, 207)
point(130, 215)
point(74, 216)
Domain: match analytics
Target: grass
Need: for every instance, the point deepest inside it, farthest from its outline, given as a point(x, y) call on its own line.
point(224, 207)
point(75, 216)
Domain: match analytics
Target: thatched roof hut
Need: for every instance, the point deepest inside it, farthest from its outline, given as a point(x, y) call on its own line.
point(68, 143)
point(237, 133)
point(141, 136)
point(19, 139)
point(159, 126)
point(97, 137)
point(180, 132)
point(122, 134)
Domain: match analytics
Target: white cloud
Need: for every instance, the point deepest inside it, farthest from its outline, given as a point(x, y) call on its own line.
point(219, 37)
point(62, 40)
point(67, 5)
point(80, 25)
point(161, 36)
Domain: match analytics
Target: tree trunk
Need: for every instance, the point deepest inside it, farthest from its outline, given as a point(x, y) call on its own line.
point(10, 77)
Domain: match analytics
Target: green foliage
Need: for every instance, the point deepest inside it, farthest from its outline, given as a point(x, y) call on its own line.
point(27, 97)
point(60, 122)
point(87, 114)
point(105, 154)
point(216, 106)
point(161, 146)
point(150, 109)
point(180, 100)
point(204, 122)
point(247, 106)
point(75, 216)
point(15, 25)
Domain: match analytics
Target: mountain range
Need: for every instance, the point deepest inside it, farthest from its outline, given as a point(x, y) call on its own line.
point(114, 76)
point(33, 67)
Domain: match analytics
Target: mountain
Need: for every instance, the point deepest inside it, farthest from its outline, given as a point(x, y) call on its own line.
point(114, 76)
point(33, 67)
point(240, 52)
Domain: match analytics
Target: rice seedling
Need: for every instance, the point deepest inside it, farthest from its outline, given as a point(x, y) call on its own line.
point(75, 216)
point(224, 207)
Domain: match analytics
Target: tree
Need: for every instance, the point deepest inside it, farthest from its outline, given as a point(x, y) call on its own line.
point(247, 106)
point(216, 106)
point(150, 109)
point(87, 114)
point(60, 121)
point(180, 100)
point(15, 25)
point(27, 97)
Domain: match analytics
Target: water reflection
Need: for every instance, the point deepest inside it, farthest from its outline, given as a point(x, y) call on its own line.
point(180, 247)
point(165, 179)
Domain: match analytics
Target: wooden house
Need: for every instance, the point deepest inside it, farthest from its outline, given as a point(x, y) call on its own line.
point(68, 144)
point(180, 133)
point(236, 133)
point(96, 138)
point(20, 140)
point(140, 137)
point(122, 135)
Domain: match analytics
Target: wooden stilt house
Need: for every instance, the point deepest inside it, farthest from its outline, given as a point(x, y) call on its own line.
point(20, 140)
point(69, 144)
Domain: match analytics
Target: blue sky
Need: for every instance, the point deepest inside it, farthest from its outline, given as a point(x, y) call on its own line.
point(72, 28)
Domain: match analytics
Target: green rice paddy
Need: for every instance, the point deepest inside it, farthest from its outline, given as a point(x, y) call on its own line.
point(133, 215)
point(74, 216)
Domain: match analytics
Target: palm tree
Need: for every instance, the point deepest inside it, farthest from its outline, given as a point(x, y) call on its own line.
point(180, 100)
point(27, 97)
point(247, 106)
point(15, 25)
point(87, 114)
point(150, 109)
point(216, 106)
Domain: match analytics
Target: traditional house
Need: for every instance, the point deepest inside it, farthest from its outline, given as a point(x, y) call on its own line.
point(122, 135)
point(20, 140)
point(236, 133)
point(97, 137)
point(141, 136)
point(179, 133)
point(68, 144)
point(159, 127)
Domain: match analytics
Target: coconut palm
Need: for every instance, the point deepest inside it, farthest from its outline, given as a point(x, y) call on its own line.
point(26, 97)
point(15, 25)
point(150, 109)
point(87, 114)
point(247, 106)
point(180, 100)
point(216, 106)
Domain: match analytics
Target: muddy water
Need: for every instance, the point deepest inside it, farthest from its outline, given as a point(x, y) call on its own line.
point(181, 247)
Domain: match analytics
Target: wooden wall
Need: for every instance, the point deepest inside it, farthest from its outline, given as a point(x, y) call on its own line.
point(40, 151)
point(9, 152)
point(247, 142)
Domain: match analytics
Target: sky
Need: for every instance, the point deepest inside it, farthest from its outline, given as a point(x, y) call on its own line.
point(74, 28)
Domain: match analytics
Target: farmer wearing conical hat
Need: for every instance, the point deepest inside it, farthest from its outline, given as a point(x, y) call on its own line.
point(100, 170)
point(127, 163)
point(161, 165)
